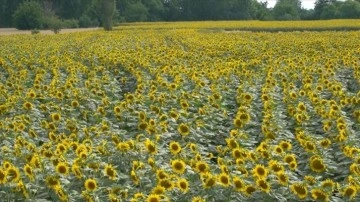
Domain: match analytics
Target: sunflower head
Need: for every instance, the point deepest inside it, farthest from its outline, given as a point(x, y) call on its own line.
point(183, 185)
point(90, 184)
point(317, 165)
point(260, 171)
point(174, 147)
point(224, 179)
point(263, 185)
point(349, 191)
point(299, 190)
point(178, 166)
point(184, 129)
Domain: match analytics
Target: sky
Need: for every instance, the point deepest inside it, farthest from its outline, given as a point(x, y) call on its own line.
point(307, 4)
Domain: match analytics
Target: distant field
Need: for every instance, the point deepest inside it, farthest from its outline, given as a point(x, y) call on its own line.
point(201, 111)
point(12, 31)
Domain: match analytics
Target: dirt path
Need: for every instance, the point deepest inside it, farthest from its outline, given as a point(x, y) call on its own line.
point(12, 31)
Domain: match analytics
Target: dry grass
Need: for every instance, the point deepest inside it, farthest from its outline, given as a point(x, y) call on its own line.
point(12, 31)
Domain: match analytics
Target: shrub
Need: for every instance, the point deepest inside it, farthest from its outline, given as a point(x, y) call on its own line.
point(85, 21)
point(53, 23)
point(71, 23)
point(28, 15)
point(35, 31)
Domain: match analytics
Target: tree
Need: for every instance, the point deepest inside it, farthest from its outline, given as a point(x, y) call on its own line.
point(329, 11)
point(287, 10)
point(155, 9)
point(320, 6)
point(173, 10)
point(29, 15)
point(136, 12)
point(107, 13)
point(350, 9)
point(7, 9)
point(260, 11)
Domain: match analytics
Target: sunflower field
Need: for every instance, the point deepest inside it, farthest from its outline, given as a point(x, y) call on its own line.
point(180, 114)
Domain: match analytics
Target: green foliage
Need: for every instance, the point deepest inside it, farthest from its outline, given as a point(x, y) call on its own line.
point(90, 13)
point(53, 23)
point(85, 21)
point(260, 11)
point(136, 12)
point(329, 11)
point(29, 15)
point(71, 23)
point(287, 10)
point(107, 11)
point(350, 9)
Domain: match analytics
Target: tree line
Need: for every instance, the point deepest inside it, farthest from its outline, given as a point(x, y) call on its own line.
point(39, 14)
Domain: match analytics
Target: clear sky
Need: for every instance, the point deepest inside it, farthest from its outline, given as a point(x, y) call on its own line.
point(307, 4)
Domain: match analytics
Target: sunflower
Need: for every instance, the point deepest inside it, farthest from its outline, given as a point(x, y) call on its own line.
point(134, 177)
point(62, 168)
point(238, 184)
point(62, 195)
point(249, 190)
point(289, 158)
point(285, 145)
point(14, 174)
point(158, 190)
point(355, 169)
point(260, 171)
point(183, 185)
point(174, 147)
point(28, 105)
point(275, 166)
point(293, 166)
point(236, 153)
point(328, 184)
point(349, 192)
point(301, 107)
point(209, 181)
point(110, 171)
point(310, 146)
point(123, 146)
point(161, 174)
point(317, 164)
point(167, 184)
point(310, 179)
point(150, 147)
point(184, 129)
point(178, 166)
point(202, 167)
point(244, 117)
point(90, 184)
point(319, 195)
point(28, 171)
point(3, 175)
point(224, 179)
point(192, 147)
point(52, 182)
point(74, 103)
point(197, 199)
point(173, 114)
point(278, 150)
point(283, 178)
point(76, 170)
point(263, 185)
point(299, 190)
point(143, 125)
point(325, 143)
point(238, 123)
point(55, 117)
point(153, 198)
